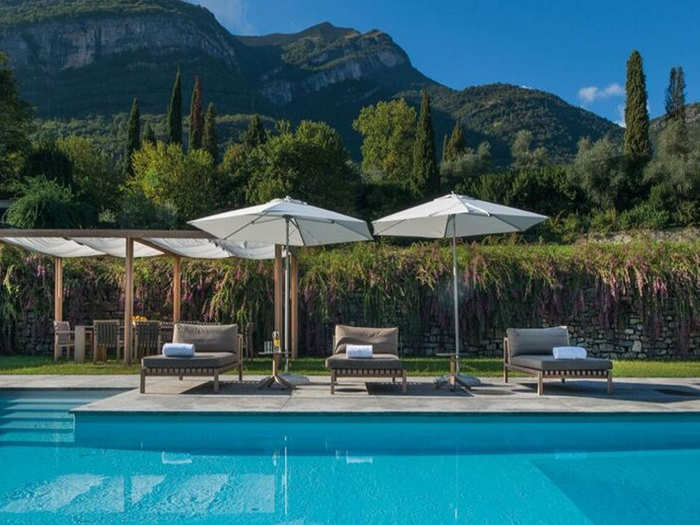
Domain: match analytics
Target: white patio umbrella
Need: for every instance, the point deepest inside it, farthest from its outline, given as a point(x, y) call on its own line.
point(289, 222)
point(455, 216)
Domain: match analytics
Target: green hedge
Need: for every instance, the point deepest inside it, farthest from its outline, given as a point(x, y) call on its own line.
point(380, 284)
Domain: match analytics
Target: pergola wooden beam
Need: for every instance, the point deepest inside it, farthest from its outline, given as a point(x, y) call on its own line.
point(112, 233)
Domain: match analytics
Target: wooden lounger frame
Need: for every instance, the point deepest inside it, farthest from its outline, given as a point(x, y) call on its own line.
point(393, 373)
point(190, 372)
point(552, 374)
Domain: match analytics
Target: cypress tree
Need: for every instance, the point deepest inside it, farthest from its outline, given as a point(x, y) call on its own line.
point(670, 92)
point(175, 112)
point(636, 114)
point(445, 154)
point(149, 135)
point(255, 134)
point(133, 135)
point(196, 116)
point(425, 181)
point(455, 145)
point(209, 141)
point(675, 94)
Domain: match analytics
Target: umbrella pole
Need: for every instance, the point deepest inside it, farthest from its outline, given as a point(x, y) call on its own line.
point(454, 283)
point(286, 298)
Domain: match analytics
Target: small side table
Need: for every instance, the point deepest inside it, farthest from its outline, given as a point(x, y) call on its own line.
point(267, 382)
point(453, 379)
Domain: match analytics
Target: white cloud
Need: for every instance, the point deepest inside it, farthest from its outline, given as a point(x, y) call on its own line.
point(590, 94)
point(232, 14)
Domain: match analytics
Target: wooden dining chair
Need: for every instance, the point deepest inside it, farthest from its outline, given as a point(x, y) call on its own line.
point(63, 339)
point(105, 337)
point(147, 338)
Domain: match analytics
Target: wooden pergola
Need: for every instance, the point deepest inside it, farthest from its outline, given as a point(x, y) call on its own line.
point(176, 244)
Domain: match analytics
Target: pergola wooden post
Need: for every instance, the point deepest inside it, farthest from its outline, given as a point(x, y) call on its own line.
point(128, 298)
point(57, 298)
point(177, 290)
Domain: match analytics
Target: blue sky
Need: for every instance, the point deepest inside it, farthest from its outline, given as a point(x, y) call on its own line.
point(576, 50)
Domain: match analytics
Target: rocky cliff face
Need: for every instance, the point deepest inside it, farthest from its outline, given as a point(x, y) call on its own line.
point(323, 56)
point(56, 46)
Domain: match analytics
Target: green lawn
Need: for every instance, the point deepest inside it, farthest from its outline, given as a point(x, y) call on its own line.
point(314, 366)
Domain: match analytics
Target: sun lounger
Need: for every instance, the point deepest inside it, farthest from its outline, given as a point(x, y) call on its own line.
point(216, 352)
point(384, 362)
point(529, 350)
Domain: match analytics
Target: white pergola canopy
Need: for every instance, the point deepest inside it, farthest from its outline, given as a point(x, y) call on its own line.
point(91, 243)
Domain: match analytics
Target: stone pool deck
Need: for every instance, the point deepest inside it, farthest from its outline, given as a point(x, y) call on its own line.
point(197, 395)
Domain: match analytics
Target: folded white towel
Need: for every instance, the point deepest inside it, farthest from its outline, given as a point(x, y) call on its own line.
point(569, 352)
point(178, 350)
point(358, 351)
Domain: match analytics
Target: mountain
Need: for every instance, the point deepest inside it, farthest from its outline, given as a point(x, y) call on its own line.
point(75, 58)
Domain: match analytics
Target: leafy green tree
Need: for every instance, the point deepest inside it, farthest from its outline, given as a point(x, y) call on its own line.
point(674, 177)
point(234, 175)
point(524, 157)
point(388, 132)
point(138, 211)
point(48, 160)
point(175, 111)
point(133, 137)
point(459, 174)
point(255, 134)
point(210, 143)
point(456, 144)
point(93, 177)
point(425, 181)
point(184, 182)
point(15, 126)
point(310, 163)
point(600, 171)
point(196, 116)
point(637, 142)
point(44, 203)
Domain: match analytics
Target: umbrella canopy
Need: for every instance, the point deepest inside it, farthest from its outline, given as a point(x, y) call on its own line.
point(289, 222)
point(456, 216)
point(285, 221)
point(469, 217)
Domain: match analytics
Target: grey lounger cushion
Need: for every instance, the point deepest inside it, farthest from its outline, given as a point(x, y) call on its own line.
point(536, 341)
point(547, 362)
point(199, 360)
point(376, 362)
point(383, 340)
point(208, 338)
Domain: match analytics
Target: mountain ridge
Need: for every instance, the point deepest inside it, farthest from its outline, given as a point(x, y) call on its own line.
point(67, 55)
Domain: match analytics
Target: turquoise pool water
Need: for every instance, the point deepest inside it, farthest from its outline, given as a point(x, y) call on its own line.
point(297, 469)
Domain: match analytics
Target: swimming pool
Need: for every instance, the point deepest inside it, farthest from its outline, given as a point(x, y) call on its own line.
point(209, 469)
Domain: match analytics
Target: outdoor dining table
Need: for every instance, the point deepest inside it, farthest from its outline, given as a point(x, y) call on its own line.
point(84, 335)
point(268, 381)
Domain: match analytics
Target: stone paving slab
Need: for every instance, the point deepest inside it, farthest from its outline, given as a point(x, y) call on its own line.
point(196, 395)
